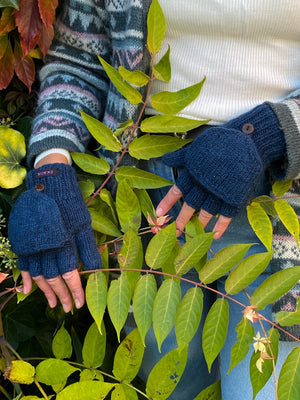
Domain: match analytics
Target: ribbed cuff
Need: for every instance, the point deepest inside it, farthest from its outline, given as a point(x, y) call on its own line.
point(288, 114)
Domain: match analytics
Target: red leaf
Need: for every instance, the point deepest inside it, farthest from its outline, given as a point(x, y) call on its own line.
point(24, 67)
point(6, 62)
point(47, 11)
point(7, 21)
point(2, 276)
point(29, 24)
point(46, 39)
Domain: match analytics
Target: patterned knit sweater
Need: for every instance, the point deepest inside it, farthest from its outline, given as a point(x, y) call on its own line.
point(74, 79)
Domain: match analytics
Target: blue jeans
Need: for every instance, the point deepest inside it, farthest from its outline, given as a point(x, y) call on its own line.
point(196, 376)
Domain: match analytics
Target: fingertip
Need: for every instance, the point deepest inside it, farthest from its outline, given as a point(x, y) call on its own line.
point(159, 212)
point(27, 282)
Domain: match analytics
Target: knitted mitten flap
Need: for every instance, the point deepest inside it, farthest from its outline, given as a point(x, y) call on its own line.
point(50, 224)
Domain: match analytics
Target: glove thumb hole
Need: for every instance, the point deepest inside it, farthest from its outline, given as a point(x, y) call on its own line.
point(87, 248)
point(175, 158)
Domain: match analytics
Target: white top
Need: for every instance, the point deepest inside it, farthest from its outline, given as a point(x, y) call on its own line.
point(249, 51)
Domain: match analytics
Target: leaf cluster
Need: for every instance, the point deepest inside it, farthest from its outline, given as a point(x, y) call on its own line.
point(26, 32)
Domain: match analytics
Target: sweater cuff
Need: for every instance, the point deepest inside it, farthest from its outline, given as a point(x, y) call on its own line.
point(288, 114)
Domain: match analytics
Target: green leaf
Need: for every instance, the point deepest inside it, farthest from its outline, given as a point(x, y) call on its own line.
point(212, 392)
point(288, 217)
point(280, 187)
point(128, 357)
point(223, 261)
point(94, 346)
point(10, 3)
point(136, 77)
point(90, 375)
point(169, 123)
point(165, 309)
point(267, 203)
point(124, 392)
point(160, 246)
point(91, 164)
point(247, 271)
point(173, 102)
point(106, 196)
point(275, 286)
point(53, 371)
point(118, 302)
point(86, 390)
point(192, 251)
point(193, 228)
point(21, 372)
point(215, 330)
point(259, 379)
point(245, 334)
point(143, 300)
point(122, 127)
point(12, 151)
point(145, 203)
point(101, 133)
point(62, 344)
point(162, 70)
point(128, 207)
point(188, 316)
point(140, 179)
point(156, 25)
point(129, 92)
point(261, 224)
point(96, 296)
point(288, 318)
point(289, 378)
point(131, 256)
point(87, 188)
point(102, 224)
point(152, 146)
point(166, 374)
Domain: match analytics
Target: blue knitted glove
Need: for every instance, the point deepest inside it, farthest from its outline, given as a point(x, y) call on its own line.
point(221, 166)
point(50, 224)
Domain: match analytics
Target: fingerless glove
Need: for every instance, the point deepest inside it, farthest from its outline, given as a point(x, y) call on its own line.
point(222, 166)
point(50, 224)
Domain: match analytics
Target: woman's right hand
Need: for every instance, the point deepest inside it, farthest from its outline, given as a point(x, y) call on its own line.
point(49, 225)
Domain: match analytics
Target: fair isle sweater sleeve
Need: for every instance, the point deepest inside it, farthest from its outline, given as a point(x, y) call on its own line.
point(73, 79)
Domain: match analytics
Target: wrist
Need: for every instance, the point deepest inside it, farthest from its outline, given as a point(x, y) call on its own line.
point(53, 156)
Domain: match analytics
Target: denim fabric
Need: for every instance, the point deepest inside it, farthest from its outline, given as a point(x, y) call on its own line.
point(196, 377)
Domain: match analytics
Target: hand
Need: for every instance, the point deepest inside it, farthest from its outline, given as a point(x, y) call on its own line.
point(48, 226)
point(220, 168)
point(186, 213)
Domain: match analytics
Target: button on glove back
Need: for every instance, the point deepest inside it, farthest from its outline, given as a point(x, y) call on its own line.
point(222, 166)
point(50, 224)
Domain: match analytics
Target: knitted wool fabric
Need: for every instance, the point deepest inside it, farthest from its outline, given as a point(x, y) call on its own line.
point(73, 78)
point(287, 254)
point(222, 166)
point(50, 223)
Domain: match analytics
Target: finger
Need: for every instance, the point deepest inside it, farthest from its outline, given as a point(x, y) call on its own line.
point(73, 280)
point(221, 226)
point(204, 217)
point(46, 288)
point(27, 282)
point(173, 195)
point(60, 289)
point(183, 217)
